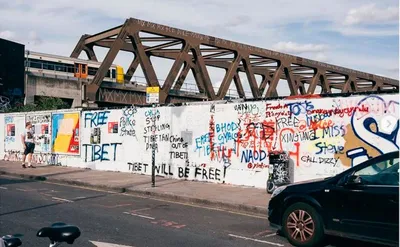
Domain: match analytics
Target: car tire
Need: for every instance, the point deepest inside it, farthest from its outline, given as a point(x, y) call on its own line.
point(270, 187)
point(303, 226)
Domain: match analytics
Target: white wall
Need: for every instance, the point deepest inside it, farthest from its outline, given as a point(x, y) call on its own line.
point(323, 136)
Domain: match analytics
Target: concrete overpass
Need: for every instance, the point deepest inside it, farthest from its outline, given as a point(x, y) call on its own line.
point(53, 85)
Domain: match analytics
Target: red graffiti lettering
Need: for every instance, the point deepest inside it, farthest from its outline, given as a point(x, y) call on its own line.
point(222, 152)
point(302, 125)
point(257, 165)
point(323, 124)
point(256, 135)
point(340, 112)
point(211, 132)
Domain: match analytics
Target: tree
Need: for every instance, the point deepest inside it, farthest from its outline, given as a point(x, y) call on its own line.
point(43, 104)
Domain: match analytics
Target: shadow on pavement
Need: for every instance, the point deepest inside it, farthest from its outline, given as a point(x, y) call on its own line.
point(53, 204)
point(160, 181)
point(5, 181)
point(28, 209)
point(62, 173)
point(342, 242)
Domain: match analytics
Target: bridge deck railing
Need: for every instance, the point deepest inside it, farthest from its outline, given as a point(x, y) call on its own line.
point(188, 88)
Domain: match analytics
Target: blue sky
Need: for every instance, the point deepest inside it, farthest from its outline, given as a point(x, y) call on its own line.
point(360, 34)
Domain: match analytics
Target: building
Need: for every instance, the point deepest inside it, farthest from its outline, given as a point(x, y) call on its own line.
point(12, 68)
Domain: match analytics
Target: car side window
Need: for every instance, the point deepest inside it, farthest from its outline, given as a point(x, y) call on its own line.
point(381, 173)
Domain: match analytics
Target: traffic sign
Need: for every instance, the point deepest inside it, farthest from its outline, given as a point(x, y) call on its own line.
point(152, 95)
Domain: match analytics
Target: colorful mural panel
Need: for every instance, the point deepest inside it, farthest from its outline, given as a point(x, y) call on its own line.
point(65, 133)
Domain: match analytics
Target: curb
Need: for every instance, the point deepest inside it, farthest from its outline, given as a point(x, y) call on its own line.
point(151, 194)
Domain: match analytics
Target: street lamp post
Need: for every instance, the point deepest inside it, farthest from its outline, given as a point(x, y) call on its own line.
point(153, 151)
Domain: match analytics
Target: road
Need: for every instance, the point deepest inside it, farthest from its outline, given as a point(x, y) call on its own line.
point(107, 217)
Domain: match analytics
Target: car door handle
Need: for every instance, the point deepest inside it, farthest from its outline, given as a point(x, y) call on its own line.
point(393, 201)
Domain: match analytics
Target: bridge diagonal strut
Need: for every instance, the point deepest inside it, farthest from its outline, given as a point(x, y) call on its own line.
point(131, 70)
point(144, 60)
point(173, 73)
point(226, 82)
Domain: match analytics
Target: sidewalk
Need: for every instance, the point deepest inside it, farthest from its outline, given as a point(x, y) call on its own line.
point(224, 196)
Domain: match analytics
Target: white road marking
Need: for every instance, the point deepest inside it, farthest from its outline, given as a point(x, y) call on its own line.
point(115, 206)
point(255, 240)
point(139, 215)
point(47, 190)
point(45, 194)
point(261, 233)
point(61, 199)
point(103, 244)
point(270, 235)
point(142, 209)
point(80, 197)
point(3, 188)
point(20, 189)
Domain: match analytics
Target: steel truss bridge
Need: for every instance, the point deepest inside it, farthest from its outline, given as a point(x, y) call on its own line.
point(192, 51)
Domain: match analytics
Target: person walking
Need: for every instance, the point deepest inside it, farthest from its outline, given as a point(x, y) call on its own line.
point(28, 143)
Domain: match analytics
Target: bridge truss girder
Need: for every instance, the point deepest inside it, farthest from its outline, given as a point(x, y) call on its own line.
point(198, 51)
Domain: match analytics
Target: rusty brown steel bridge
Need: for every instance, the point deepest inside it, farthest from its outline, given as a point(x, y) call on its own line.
point(192, 51)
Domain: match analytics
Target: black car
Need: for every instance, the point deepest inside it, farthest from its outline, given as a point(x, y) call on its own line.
point(361, 203)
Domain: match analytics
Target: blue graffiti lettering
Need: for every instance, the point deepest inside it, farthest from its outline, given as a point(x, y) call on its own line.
point(202, 140)
point(100, 152)
point(333, 131)
point(325, 148)
point(316, 117)
point(224, 127)
point(296, 108)
point(9, 139)
point(152, 113)
point(96, 118)
point(204, 150)
point(253, 156)
point(223, 138)
point(8, 119)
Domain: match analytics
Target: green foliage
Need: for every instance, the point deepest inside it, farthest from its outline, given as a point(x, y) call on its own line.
point(43, 104)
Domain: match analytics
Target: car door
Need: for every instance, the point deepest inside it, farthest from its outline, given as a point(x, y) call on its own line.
point(369, 208)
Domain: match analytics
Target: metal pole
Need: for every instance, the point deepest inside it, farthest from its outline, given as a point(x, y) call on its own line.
point(26, 77)
point(153, 153)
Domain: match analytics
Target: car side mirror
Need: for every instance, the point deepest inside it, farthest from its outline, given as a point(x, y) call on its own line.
point(353, 180)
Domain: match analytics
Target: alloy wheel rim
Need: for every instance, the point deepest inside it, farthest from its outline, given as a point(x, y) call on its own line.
point(300, 225)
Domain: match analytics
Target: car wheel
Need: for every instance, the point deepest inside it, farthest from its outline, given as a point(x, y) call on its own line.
point(302, 225)
point(270, 187)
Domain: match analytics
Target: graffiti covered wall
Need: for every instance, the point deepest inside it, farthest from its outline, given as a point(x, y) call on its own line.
point(102, 138)
point(230, 142)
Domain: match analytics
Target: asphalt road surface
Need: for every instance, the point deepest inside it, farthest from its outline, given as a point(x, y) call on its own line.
point(125, 220)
